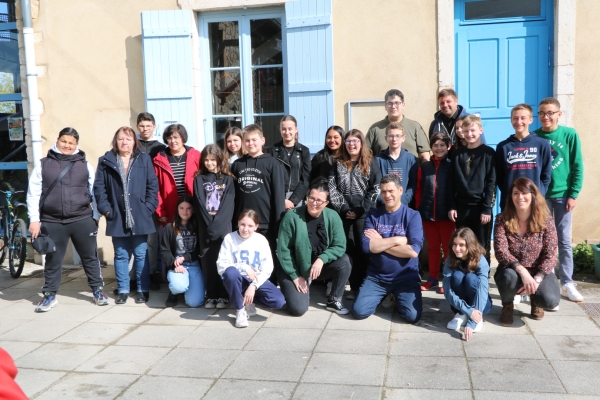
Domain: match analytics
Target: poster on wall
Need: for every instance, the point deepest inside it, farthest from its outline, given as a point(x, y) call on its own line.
point(15, 129)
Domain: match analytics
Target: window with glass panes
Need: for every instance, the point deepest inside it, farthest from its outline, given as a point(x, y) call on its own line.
point(243, 58)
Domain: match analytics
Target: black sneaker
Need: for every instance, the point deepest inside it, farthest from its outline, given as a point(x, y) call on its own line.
point(172, 300)
point(141, 297)
point(122, 298)
point(337, 307)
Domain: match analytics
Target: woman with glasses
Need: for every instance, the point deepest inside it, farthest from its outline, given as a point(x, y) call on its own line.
point(324, 160)
point(311, 245)
point(353, 188)
point(175, 167)
point(295, 160)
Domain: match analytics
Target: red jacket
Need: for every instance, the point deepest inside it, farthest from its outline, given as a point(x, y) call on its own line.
point(167, 191)
point(9, 389)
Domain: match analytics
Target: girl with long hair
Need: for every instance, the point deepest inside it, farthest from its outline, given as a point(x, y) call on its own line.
point(324, 160)
point(234, 144)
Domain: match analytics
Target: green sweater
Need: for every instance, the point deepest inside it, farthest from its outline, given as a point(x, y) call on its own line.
point(293, 245)
point(567, 162)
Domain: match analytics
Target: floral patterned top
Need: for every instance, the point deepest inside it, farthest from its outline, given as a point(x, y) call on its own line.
point(534, 251)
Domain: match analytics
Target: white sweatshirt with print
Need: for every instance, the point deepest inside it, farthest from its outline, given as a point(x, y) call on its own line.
point(241, 254)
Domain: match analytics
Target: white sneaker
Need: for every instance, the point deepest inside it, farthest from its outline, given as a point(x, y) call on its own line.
point(478, 327)
point(250, 310)
point(241, 319)
point(328, 290)
point(388, 302)
point(569, 291)
point(456, 322)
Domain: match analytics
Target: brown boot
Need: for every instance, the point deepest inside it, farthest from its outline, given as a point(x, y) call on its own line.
point(536, 312)
point(506, 316)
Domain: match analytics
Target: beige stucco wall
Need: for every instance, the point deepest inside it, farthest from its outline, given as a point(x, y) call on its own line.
point(379, 45)
point(90, 56)
point(586, 223)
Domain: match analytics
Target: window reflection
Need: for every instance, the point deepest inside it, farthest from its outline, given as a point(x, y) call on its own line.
point(267, 84)
point(490, 9)
point(224, 44)
point(227, 92)
point(266, 41)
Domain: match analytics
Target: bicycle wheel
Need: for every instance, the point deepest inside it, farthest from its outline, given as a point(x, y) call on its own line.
point(4, 240)
point(18, 249)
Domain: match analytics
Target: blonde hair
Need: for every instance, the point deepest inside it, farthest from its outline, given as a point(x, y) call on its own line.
point(472, 120)
point(253, 128)
point(522, 106)
point(396, 126)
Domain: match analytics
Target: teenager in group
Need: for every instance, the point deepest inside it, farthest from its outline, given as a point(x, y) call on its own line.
point(214, 194)
point(466, 285)
point(175, 168)
point(430, 200)
point(125, 189)
point(260, 185)
point(179, 250)
point(312, 245)
point(397, 160)
point(525, 244)
point(295, 160)
point(146, 126)
point(234, 144)
point(67, 212)
point(324, 160)
point(564, 188)
point(522, 154)
point(460, 136)
point(472, 184)
point(245, 263)
point(353, 189)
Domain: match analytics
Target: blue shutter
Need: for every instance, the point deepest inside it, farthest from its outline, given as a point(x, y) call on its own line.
point(167, 48)
point(310, 68)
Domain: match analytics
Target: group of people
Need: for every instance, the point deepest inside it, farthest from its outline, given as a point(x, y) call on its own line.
point(252, 226)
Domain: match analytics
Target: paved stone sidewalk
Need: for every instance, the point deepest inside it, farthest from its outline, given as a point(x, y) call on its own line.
point(79, 350)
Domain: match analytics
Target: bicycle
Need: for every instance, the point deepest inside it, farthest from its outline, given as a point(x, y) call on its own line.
point(13, 240)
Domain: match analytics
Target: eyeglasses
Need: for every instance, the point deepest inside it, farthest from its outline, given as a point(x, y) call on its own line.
point(318, 202)
point(172, 138)
point(550, 114)
point(352, 141)
point(391, 104)
point(394, 137)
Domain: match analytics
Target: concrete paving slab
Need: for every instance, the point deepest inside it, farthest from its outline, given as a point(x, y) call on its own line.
point(429, 323)
point(427, 372)
point(564, 326)
point(58, 356)
point(449, 344)
point(181, 316)
point(579, 377)
point(486, 395)
point(570, 348)
point(19, 349)
point(409, 394)
point(33, 381)
point(19, 310)
point(213, 337)
point(95, 333)
point(162, 387)
point(12, 294)
point(72, 312)
point(376, 322)
point(246, 389)
point(310, 391)
point(76, 297)
point(125, 315)
point(195, 363)
point(281, 339)
point(352, 342)
point(32, 283)
point(79, 284)
point(492, 326)
point(85, 386)
point(39, 331)
point(503, 346)
point(358, 369)
point(435, 303)
point(124, 360)
point(268, 365)
point(7, 325)
point(157, 336)
point(514, 376)
point(310, 320)
point(226, 318)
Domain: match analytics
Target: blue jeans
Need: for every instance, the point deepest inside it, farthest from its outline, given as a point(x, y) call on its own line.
point(137, 245)
point(190, 282)
point(267, 295)
point(406, 292)
point(465, 287)
point(563, 220)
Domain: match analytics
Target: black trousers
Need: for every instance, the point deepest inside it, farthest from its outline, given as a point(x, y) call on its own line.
point(509, 282)
point(338, 271)
point(83, 235)
point(353, 228)
point(470, 217)
point(209, 253)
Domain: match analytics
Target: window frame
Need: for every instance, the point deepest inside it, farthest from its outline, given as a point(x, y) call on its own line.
point(461, 4)
point(242, 17)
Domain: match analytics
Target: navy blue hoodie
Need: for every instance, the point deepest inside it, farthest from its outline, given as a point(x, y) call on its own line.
point(406, 167)
point(530, 158)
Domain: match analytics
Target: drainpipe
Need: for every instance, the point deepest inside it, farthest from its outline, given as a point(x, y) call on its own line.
point(32, 89)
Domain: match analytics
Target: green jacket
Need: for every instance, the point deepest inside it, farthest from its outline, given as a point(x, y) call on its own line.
point(293, 245)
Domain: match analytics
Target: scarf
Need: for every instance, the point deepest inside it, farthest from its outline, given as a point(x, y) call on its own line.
point(124, 175)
